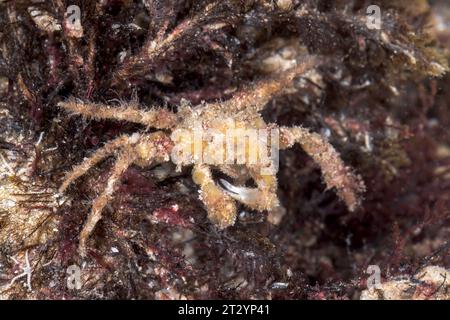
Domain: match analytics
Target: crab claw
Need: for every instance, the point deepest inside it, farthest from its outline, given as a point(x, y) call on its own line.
point(249, 196)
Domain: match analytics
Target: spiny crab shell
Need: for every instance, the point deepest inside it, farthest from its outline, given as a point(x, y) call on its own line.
point(205, 135)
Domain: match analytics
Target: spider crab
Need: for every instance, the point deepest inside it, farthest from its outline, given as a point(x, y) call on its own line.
point(174, 141)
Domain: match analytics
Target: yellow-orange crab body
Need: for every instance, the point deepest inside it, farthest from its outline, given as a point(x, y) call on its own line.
point(239, 146)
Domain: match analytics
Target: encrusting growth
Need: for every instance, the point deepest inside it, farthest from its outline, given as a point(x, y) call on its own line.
point(334, 171)
point(241, 112)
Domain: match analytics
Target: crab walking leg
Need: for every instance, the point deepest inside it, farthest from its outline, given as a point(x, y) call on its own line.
point(124, 160)
point(348, 185)
point(255, 97)
point(158, 118)
point(105, 151)
point(221, 208)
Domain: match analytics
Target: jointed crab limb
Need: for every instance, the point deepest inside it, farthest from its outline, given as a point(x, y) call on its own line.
point(140, 149)
point(267, 186)
point(255, 97)
point(221, 207)
point(108, 149)
point(158, 118)
point(348, 185)
point(124, 160)
point(264, 197)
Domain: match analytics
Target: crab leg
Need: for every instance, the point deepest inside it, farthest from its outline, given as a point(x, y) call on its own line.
point(124, 160)
point(105, 151)
point(159, 118)
point(336, 175)
point(221, 207)
point(256, 96)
